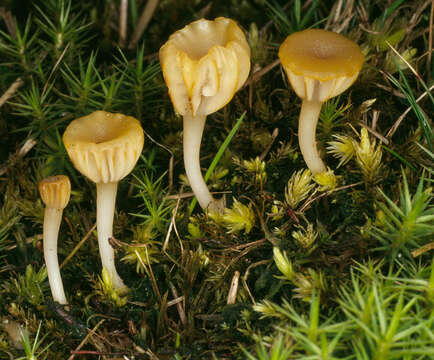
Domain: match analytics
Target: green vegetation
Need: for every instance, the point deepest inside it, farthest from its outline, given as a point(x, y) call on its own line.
point(291, 269)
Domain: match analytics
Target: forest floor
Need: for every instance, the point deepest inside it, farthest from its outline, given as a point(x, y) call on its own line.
point(294, 267)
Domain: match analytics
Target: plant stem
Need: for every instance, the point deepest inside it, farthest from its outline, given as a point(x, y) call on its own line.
point(105, 210)
point(123, 22)
point(52, 219)
point(192, 137)
point(144, 20)
point(307, 122)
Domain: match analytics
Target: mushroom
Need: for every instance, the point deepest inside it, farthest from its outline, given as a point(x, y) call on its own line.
point(55, 192)
point(105, 148)
point(203, 65)
point(320, 64)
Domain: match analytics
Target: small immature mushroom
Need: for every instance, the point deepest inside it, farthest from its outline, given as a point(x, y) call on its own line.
point(105, 148)
point(203, 64)
point(55, 192)
point(320, 64)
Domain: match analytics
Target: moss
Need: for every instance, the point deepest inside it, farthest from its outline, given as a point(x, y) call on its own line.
point(359, 254)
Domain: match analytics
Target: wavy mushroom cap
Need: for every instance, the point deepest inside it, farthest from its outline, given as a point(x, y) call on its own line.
point(320, 64)
point(204, 64)
point(55, 191)
point(103, 146)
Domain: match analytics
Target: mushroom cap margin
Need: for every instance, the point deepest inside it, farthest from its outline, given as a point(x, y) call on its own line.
point(104, 146)
point(320, 54)
point(204, 64)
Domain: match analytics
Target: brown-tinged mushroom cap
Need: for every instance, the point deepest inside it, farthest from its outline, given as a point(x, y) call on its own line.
point(103, 146)
point(320, 64)
point(55, 191)
point(204, 64)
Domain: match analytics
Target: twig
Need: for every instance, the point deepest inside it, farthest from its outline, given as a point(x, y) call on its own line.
point(190, 194)
point(123, 23)
point(267, 149)
point(395, 126)
point(397, 93)
point(255, 76)
point(28, 241)
point(151, 273)
point(144, 20)
point(116, 243)
point(11, 91)
point(172, 157)
point(172, 226)
point(255, 69)
point(246, 275)
point(11, 357)
point(170, 185)
point(336, 10)
point(311, 200)
point(203, 13)
point(94, 352)
point(180, 196)
point(9, 21)
point(430, 39)
point(375, 133)
point(258, 74)
point(151, 355)
point(179, 299)
point(268, 235)
point(27, 146)
point(178, 304)
point(341, 19)
point(242, 246)
point(375, 116)
point(413, 70)
point(422, 249)
point(59, 60)
point(233, 291)
point(252, 246)
point(79, 245)
point(169, 231)
point(90, 333)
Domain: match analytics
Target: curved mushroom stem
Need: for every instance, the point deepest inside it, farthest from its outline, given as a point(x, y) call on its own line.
point(307, 122)
point(192, 137)
point(105, 210)
point(52, 219)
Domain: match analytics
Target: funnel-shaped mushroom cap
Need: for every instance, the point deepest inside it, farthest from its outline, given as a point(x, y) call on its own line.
point(55, 191)
point(104, 146)
point(320, 64)
point(204, 64)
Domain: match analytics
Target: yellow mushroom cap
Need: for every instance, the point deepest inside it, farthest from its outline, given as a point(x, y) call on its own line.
point(103, 146)
point(55, 191)
point(204, 64)
point(320, 64)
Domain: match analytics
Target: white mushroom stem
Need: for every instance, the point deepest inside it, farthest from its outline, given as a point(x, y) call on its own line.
point(192, 137)
point(307, 122)
point(52, 219)
point(105, 210)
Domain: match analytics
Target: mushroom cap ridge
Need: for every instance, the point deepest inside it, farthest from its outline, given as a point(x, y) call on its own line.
point(204, 64)
point(104, 146)
point(55, 191)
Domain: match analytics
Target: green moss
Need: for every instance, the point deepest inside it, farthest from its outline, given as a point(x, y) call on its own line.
point(352, 271)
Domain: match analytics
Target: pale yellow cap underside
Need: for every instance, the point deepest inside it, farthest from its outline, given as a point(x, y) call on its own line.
point(204, 64)
point(55, 191)
point(320, 64)
point(103, 146)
